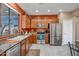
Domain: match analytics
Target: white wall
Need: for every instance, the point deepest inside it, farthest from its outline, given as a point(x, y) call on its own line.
point(67, 25)
point(75, 12)
point(70, 23)
point(76, 28)
point(67, 31)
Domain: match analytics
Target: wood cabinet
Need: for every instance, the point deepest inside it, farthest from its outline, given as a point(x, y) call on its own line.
point(46, 39)
point(43, 19)
point(30, 41)
point(34, 41)
point(25, 21)
point(23, 48)
point(25, 45)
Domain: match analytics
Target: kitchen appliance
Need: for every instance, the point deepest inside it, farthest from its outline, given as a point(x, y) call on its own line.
point(55, 34)
point(41, 37)
point(14, 51)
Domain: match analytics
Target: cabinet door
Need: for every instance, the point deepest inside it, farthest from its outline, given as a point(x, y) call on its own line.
point(27, 45)
point(34, 41)
point(29, 38)
point(23, 48)
point(27, 22)
point(46, 39)
point(24, 21)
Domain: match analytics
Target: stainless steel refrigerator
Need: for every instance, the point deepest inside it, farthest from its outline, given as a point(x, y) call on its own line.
point(55, 34)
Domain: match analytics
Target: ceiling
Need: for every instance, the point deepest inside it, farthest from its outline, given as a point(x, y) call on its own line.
point(4, 11)
point(47, 8)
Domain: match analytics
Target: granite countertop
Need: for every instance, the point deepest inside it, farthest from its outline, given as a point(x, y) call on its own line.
point(20, 37)
point(6, 44)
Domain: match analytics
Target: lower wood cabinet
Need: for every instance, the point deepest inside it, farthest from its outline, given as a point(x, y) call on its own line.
point(34, 41)
point(46, 39)
point(29, 40)
point(23, 48)
point(25, 45)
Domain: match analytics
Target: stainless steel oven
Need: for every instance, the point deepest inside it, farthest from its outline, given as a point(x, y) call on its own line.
point(40, 37)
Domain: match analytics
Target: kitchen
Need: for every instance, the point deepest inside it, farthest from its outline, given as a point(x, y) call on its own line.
point(19, 30)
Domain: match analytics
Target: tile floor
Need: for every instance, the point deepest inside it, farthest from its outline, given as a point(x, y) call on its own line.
point(47, 50)
point(33, 52)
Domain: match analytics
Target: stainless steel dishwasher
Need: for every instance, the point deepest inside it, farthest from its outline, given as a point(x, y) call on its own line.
point(14, 51)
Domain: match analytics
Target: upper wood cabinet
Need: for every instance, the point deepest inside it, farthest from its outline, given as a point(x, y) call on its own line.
point(25, 21)
point(43, 20)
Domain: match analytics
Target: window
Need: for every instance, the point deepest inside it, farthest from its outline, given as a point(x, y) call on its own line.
point(13, 22)
point(8, 21)
point(4, 20)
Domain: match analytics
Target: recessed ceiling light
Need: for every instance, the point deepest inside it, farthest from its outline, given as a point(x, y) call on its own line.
point(60, 10)
point(36, 10)
point(48, 10)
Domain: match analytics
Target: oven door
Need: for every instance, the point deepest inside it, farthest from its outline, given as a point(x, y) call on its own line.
point(40, 39)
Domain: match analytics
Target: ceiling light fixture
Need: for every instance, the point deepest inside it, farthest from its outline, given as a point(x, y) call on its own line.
point(41, 3)
point(36, 10)
point(60, 10)
point(48, 10)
